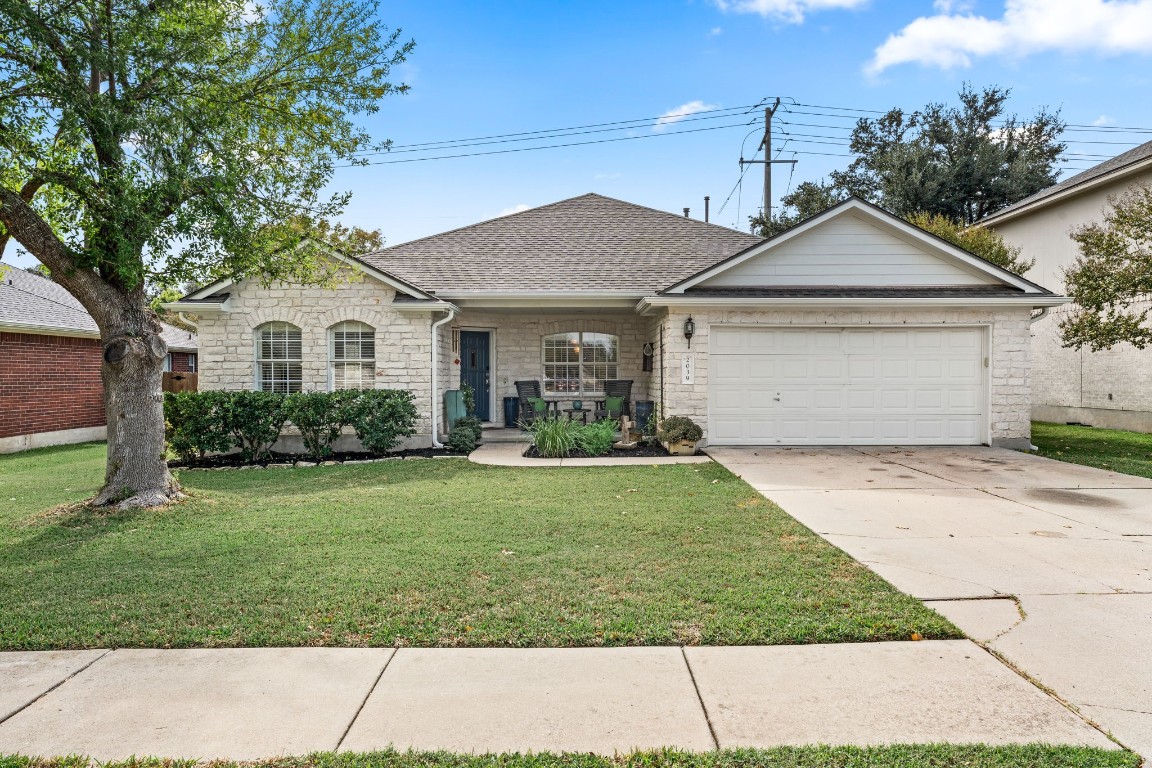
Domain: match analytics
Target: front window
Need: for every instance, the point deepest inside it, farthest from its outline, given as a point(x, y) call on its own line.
point(352, 352)
point(278, 366)
point(579, 363)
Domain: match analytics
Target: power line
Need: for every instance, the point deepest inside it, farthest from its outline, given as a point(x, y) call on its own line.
point(545, 146)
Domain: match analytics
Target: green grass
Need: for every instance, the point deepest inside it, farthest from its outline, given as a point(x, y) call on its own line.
point(1127, 452)
point(437, 552)
point(897, 756)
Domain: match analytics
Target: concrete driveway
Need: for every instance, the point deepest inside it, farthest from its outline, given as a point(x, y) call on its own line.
point(1047, 563)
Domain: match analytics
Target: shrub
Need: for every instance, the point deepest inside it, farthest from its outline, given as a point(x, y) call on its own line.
point(470, 423)
point(596, 439)
point(194, 423)
point(382, 418)
point(554, 438)
point(675, 429)
point(319, 416)
point(462, 439)
point(255, 420)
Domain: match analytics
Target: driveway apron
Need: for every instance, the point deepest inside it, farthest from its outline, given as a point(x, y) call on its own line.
point(1048, 564)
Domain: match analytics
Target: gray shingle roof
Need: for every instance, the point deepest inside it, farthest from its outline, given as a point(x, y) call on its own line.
point(1112, 165)
point(31, 302)
point(587, 243)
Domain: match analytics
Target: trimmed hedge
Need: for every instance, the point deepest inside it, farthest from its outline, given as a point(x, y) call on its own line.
point(198, 423)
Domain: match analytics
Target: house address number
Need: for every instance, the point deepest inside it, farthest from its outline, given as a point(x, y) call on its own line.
point(688, 369)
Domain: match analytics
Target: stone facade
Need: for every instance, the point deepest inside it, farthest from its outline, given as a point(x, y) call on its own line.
point(403, 339)
point(1009, 360)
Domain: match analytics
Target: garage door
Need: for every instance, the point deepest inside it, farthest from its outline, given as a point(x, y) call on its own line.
point(844, 386)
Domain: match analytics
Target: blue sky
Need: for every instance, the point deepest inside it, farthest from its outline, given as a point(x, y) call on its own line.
point(487, 68)
point(481, 69)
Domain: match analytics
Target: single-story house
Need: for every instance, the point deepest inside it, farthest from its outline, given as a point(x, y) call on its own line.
point(50, 357)
point(1111, 388)
point(852, 327)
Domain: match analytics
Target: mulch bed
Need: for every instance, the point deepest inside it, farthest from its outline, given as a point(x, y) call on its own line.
point(643, 450)
point(235, 461)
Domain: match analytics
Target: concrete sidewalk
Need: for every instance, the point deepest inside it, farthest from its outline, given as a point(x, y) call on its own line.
point(262, 702)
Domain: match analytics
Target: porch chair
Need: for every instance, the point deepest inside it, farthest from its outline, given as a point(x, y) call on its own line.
point(530, 399)
point(619, 391)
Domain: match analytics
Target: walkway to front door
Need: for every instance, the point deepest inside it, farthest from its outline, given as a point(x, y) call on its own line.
point(475, 369)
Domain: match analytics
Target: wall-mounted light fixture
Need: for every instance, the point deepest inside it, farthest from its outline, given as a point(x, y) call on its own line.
point(689, 330)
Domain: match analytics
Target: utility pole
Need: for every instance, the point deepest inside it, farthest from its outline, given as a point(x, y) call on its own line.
point(766, 145)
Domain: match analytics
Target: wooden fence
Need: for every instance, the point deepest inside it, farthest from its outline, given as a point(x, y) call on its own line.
point(178, 381)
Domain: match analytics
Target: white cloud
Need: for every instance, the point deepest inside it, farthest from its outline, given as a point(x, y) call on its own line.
point(518, 208)
point(681, 112)
point(789, 11)
point(1104, 120)
point(951, 39)
point(715, 31)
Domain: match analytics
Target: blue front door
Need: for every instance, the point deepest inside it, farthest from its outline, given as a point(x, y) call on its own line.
point(475, 369)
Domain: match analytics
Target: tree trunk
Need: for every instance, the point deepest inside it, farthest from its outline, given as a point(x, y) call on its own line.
point(137, 474)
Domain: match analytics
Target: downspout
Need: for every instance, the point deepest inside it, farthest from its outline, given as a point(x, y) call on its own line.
point(435, 365)
point(184, 319)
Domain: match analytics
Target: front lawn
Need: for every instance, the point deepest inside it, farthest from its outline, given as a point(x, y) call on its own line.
point(431, 552)
point(1127, 452)
point(896, 756)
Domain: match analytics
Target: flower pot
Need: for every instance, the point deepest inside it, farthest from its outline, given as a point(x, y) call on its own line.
point(681, 448)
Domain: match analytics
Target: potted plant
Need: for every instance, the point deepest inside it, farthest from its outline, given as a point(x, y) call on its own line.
point(679, 435)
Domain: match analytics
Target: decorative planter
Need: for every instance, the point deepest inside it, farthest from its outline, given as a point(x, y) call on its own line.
point(681, 448)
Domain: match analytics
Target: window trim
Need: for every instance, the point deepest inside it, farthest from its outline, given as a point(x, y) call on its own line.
point(332, 360)
point(258, 360)
point(581, 392)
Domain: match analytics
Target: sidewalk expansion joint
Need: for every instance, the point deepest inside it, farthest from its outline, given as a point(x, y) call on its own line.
point(17, 711)
point(699, 698)
point(367, 696)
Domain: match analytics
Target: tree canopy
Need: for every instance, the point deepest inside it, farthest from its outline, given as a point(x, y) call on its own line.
point(1111, 280)
point(963, 162)
point(151, 142)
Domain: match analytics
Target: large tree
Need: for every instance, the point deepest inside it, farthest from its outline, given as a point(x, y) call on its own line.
point(1111, 280)
point(161, 141)
point(964, 162)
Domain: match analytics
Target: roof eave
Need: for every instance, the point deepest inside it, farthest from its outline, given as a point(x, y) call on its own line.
point(1032, 301)
point(13, 326)
point(1064, 194)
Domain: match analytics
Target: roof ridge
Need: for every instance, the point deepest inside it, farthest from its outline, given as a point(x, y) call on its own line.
point(538, 208)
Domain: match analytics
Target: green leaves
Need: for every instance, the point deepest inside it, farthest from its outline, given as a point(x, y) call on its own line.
point(1111, 280)
point(985, 243)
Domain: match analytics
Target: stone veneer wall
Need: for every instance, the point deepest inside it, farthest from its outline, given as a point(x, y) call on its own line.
point(1010, 360)
point(518, 339)
point(403, 339)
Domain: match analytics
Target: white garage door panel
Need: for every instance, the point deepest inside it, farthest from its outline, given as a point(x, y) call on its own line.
point(812, 386)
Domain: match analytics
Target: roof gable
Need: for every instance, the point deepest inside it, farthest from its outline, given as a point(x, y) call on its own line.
point(589, 243)
point(853, 244)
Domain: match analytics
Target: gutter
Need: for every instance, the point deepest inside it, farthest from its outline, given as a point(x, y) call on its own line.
point(451, 310)
point(1039, 316)
point(1035, 301)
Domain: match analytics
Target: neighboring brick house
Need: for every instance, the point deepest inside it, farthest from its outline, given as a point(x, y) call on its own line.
point(1110, 388)
point(50, 357)
point(853, 327)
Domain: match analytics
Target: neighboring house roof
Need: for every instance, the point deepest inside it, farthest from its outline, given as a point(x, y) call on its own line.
point(33, 304)
point(589, 243)
point(1129, 162)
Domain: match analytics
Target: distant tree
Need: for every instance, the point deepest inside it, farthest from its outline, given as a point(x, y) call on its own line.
point(1111, 280)
point(985, 243)
point(40, 270)
point(150, 143)
point(352, 241)
point(963, 162)
point(808, 199)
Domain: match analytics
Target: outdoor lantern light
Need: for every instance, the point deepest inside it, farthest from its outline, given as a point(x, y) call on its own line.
point(689, 329)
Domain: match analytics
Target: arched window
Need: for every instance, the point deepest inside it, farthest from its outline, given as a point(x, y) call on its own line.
point(579, 363)
point(278, 358)
point(351, 356)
